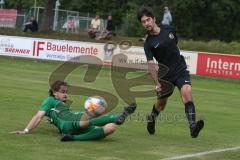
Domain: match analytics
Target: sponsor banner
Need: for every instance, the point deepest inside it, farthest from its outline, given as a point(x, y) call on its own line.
point(8, 18)
point(191, 60)
point(62, 50)
point(136, 57)
point(132, 57)
point(48, 49)
point(217, 65)
point(109, 50)
point(17, 47)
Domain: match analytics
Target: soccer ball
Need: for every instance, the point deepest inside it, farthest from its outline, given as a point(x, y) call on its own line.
point(95, 105)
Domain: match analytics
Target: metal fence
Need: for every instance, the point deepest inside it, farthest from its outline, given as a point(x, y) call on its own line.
point(21, 19)
point(65, 20)
point(10, 19)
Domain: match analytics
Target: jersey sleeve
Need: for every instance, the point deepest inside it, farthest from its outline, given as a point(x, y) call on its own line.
point(172, 30)
point(175, 35)
point(47, 104)
point(148, 52)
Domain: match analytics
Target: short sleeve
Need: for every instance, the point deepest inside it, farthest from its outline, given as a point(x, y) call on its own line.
point(173, 30)
point(47, 104)
point(148, 52)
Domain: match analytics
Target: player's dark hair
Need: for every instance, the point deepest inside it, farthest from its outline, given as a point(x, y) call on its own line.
point(144, 11)
point(56, 87)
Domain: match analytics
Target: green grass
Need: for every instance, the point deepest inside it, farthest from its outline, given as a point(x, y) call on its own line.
point(214, 46)
point(24, 84)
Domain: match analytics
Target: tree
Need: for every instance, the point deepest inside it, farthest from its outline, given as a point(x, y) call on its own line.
point(22, 5)
point(193, 19)
point(207, 19)
point(48, 16)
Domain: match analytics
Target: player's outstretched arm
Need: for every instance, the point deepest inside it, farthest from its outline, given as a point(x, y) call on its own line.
point(32, 124)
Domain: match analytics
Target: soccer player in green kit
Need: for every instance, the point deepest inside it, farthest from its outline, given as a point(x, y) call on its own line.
point(78, 126)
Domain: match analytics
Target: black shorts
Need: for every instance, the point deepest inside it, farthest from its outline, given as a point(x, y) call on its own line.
point(178, 76)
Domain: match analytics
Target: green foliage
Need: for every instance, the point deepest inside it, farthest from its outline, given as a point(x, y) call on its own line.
point(207, 19)
point(23, 5)
point(116, 8)
point(131, 26)
point(197, 20)
point(214, 46)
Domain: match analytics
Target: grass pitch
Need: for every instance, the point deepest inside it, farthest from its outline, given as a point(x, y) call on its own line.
point(24, 84)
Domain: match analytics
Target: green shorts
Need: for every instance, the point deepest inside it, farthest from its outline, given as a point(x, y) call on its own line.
point(73, 127)
point(70, 124)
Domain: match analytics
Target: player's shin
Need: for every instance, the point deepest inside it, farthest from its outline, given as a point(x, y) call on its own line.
point(97, 133)
point(151, 118)
point(102, 120)
point(155, 112)
point(190, 113)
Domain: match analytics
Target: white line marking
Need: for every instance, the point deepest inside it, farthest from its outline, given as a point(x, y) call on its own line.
point(202, 153)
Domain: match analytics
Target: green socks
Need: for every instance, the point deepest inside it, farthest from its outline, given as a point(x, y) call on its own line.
point(96, 133)
point(102, 120)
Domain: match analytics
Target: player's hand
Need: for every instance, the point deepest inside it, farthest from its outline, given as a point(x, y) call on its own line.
point(18, 132)
point(158, 87)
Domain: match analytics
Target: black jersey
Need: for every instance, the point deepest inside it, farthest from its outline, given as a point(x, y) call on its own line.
point(163, 47)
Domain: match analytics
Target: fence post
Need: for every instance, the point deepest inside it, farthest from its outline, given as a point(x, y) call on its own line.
point(37, 14)
point(87, 20)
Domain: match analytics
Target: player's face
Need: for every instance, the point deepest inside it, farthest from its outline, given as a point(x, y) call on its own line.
point(148, 22)
point(61, 94)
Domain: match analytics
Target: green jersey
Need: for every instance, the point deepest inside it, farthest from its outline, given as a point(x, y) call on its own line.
point(60, 114)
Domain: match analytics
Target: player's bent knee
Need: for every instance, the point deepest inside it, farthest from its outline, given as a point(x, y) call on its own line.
point(84, 123)
point(186, 93)
point(109, 128)
point(186, 98)
point(186, 90)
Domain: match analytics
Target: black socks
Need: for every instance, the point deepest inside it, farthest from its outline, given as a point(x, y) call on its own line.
point(155, 112)
point(190, 113)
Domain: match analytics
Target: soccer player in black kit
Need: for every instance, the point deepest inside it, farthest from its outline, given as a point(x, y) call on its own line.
point(161, 44)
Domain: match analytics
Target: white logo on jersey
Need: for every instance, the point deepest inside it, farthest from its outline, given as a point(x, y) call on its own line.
point(171, 36)
point(156, 45)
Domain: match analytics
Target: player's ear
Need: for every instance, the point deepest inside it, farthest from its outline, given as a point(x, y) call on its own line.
point(154, 19)
point(54, 93)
